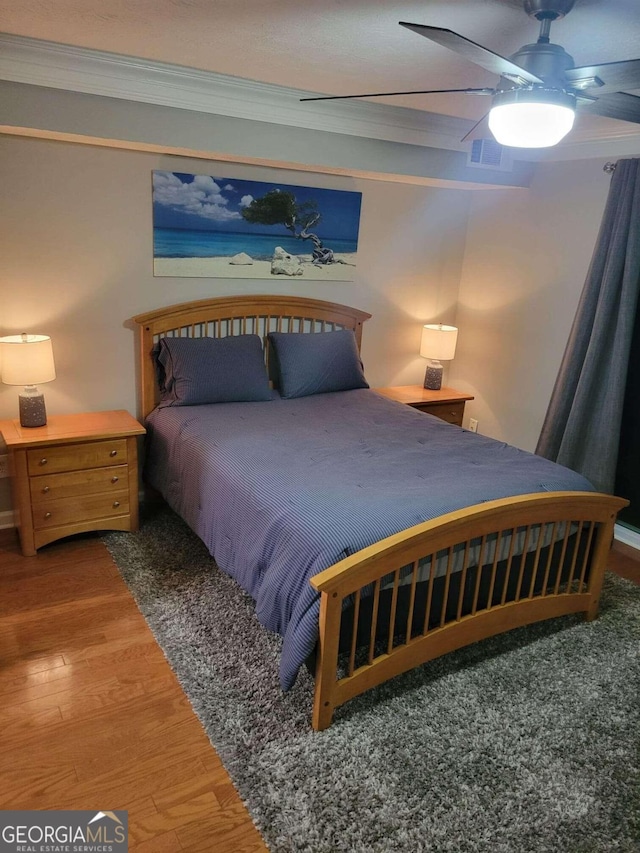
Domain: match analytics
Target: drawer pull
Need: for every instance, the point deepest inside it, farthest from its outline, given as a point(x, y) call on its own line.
point(113, 453)
point(116, 504)
point(43, 461)
point(115, 479)
point(45, 490)
point(47, 515)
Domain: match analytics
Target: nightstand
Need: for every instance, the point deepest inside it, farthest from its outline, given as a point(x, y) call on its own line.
point(446, 404)
point(77, 473)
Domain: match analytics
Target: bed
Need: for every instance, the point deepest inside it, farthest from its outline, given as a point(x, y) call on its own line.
point(373, 537)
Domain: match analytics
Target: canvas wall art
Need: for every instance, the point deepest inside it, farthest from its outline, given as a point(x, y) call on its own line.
point(227, 228)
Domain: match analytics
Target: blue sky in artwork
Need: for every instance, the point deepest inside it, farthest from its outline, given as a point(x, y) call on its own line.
point(207, 203)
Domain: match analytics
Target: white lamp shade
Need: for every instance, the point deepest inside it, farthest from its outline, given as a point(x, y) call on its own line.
point(532, 117)
point(530, 125)
point(438, 342)
point(26, 360)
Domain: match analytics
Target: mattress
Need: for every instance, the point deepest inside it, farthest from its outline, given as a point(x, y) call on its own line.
point(282, 489)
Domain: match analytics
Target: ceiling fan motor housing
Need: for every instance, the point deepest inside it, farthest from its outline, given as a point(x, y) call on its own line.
point(550, 10)
point(547, 61)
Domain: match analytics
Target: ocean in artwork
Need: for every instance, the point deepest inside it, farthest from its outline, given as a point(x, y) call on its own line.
point(180, 243)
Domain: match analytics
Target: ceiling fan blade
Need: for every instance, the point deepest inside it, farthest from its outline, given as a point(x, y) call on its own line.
point(474, 53)
point(480, 130)
point(482, 91)
point(616, 76)
point(618, 105)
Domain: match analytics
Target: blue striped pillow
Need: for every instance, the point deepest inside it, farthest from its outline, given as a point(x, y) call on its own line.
point(193, 371)
point(317, 362)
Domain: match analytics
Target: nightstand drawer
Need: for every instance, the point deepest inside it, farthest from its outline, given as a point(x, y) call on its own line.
point(79, 509)
point(452, 413)
point(71, 484)
point(75, 457)
point(445, 403)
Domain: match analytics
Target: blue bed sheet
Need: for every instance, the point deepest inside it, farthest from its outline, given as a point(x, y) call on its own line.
point(280, 490)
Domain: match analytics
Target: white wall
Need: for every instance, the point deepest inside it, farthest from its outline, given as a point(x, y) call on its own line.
point(76, 249)
point(526, 257)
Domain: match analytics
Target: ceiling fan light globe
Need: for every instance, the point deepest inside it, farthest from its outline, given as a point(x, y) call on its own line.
point(531, 118)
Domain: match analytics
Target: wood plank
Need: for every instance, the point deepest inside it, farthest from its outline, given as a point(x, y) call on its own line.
point(14, 725)
point(166, 843)
point(212, 780)
point(205, 806)
point(227, 832)
point(625, 561)
point(91, 712)
point(37, 663)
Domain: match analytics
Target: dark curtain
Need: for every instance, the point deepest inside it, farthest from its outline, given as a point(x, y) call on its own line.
point(628, 470)
point(582, 426)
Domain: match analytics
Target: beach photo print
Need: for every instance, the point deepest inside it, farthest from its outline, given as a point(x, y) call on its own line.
point(226, 228)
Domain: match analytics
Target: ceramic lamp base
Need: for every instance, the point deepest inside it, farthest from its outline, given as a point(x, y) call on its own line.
point(433, 376)
point(33, 412)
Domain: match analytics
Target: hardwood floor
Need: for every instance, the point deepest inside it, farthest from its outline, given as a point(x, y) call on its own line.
point(625, 561)
point(91, 715)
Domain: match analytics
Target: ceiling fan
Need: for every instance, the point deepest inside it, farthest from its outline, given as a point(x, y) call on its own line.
point(534, 102)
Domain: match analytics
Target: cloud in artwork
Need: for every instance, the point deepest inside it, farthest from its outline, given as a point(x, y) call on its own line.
point(202, 197)
point(246, 200)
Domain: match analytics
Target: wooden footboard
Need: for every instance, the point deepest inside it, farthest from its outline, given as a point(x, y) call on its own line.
point(498, 565)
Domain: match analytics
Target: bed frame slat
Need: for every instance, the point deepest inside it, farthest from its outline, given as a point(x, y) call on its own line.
point(522, 562)
point(427, 614)
point(374, 619)
point(394, 605)
point(479, 565)
point(565, 544)
point(463, 580)
point(494, 569)
point(354, 632)
point(547, 570)
point(574, 557)
point(447, 582)
point(585, 558)
point(412, 600)
point(536, 561)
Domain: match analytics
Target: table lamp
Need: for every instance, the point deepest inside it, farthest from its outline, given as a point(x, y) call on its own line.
point(28, 360)
point(438, 343)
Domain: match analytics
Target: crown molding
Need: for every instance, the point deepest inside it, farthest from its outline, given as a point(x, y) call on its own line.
point(60, 66)
point(621, 141)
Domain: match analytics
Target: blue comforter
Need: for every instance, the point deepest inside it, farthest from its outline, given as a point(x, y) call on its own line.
point(280, 490)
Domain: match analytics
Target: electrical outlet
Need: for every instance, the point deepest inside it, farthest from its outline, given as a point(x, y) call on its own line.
point(473, 425)
point(4, 465)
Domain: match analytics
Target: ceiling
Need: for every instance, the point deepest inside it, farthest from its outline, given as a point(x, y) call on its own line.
point(334, 47)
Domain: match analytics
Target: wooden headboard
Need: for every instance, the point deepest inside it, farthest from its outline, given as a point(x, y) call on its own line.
point(235, 315)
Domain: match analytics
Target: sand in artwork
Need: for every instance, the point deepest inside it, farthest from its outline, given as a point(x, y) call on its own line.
point(221, 267)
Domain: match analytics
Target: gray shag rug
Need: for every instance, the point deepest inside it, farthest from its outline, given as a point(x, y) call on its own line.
point(523, 743)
